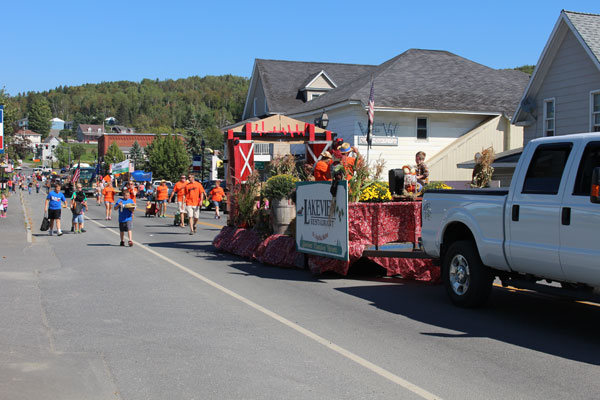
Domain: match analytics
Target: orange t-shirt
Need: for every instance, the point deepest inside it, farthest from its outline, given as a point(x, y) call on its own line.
point(162, 192)
point(217, 193)
point(109, 194)
point(132, 193)
point(321, 170)
point(349, 167)
point(179, 188)
point(192, 193)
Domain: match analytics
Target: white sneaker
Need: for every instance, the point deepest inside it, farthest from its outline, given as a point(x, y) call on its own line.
point(60, 233)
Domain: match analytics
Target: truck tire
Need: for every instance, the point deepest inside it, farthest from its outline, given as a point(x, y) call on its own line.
point(468, 282)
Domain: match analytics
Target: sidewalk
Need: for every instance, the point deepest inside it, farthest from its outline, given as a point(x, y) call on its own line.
point(30, 365)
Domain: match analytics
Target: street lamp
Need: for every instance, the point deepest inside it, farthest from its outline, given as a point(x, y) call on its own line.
point(202, 146)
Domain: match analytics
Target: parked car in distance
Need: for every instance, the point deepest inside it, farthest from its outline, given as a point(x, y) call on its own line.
point(543, 229)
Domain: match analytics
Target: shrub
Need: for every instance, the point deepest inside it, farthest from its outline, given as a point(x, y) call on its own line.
point(376, 192)
point(279, 187)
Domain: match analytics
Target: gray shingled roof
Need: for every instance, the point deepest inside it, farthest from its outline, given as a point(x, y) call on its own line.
point(430, 80)
point(283, 79)
point(588, 26)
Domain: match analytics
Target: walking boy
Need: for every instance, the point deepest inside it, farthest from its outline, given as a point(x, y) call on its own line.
point(126, 207)
point(179, 188)
point(54, 201)
point(162, 194)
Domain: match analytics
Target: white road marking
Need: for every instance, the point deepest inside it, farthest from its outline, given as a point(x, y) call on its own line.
point(311, 335)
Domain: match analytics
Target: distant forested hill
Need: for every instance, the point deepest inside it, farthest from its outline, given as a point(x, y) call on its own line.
point(148, 106)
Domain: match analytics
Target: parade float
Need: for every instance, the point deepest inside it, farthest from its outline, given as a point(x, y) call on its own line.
point(280, 216)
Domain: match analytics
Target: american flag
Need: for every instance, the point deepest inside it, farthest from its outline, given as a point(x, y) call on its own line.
point(76, 174)
point(371, 113)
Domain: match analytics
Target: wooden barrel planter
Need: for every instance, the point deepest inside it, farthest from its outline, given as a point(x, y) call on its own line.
point(282, 213)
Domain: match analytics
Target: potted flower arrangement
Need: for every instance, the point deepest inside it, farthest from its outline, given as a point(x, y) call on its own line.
point(278, 190)
point(376, 192)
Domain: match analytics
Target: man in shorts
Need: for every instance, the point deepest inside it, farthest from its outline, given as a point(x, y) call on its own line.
point(179, 188)
point(109, 199)
point(162, 194)
point(194, 195)
point(126, 207)
point(54, 202)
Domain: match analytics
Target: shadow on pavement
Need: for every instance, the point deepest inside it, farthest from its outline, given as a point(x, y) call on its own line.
point(553, 326)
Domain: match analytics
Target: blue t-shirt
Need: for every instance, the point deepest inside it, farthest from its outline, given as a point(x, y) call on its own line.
point(55, 200)
point(125, 214)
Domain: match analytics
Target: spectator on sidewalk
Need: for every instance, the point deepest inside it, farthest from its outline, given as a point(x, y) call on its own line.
point(126, 207)
point(216, 196)
point(4, 205)
point(54, 202)
point(194, 196)
point(37, 187)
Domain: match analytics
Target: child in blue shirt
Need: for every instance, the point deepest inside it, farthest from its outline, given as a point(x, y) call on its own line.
point(126, 207)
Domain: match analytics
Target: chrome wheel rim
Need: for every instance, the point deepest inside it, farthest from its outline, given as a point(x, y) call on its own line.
point(460, 276)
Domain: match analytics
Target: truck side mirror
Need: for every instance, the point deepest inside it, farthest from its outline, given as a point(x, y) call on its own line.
point(595, 190)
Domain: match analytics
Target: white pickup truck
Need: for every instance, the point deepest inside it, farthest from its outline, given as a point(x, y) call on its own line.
point(546, 226)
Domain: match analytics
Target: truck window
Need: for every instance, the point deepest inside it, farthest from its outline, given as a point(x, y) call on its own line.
point(589, 161)
point(546, 168)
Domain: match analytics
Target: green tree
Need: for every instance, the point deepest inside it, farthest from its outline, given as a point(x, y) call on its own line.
point(62, 154)
point(113, 154)
point(40, 116)
point(167, 157)
point(78, 150)
point(11, 146)
point(136, 154)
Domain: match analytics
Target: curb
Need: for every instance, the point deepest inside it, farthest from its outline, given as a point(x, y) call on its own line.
point(27, 219)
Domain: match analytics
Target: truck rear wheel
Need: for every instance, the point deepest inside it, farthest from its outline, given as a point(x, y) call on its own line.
point(468, 282)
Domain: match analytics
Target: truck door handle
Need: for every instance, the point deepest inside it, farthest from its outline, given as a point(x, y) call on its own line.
point(515, 212)
point(566, 216)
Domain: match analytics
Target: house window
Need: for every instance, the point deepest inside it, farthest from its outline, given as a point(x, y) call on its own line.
point(254, 105)
point(421, 128)
point(595, 112)
point(549, 117)
point(315, 95)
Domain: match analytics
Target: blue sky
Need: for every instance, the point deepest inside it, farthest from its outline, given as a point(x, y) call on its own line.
point(51, 43)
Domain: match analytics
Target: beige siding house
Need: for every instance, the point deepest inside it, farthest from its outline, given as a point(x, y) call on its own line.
point(563, 95)
point(425, 100)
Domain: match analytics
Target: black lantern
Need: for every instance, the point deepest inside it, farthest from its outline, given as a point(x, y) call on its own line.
point(322, 121)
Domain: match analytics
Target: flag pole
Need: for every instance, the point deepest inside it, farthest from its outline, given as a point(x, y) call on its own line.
point(371, 117)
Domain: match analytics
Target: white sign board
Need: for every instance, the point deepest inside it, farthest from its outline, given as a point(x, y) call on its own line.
point(322, 220)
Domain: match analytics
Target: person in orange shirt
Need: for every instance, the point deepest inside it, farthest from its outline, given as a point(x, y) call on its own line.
point(347, 161)
point(162, 194)
point(194, 196)
point(322, 170)
point(132, 190)
point(216, 196)
point(109, 199)
point(179, 188)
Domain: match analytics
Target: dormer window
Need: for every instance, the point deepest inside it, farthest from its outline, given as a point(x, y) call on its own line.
point(316, 85)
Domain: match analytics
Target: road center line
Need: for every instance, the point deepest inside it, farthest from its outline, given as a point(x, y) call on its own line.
point(309, 334)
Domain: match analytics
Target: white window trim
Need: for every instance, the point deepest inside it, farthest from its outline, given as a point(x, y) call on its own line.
point(548, 100)
point(592, 93)
point(417, 118)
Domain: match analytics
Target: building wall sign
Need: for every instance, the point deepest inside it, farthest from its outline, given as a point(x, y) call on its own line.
point(322, 220)
point(378, 141)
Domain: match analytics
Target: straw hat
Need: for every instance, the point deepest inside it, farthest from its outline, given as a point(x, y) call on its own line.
point(326, 154)
point(345, 148)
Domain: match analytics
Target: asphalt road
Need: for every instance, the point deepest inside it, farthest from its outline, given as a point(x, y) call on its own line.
point(169, 318)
